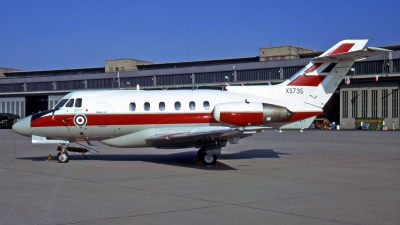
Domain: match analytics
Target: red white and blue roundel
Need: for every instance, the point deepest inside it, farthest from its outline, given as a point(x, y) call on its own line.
point(80, 120)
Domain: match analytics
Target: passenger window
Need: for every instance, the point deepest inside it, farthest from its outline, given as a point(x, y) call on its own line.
point(177, 106)
point(161, 106)
point(70, 103)
point(206, 105)
point(78, 103)
point(132, 106)
point(146, 106)
point(192, 105)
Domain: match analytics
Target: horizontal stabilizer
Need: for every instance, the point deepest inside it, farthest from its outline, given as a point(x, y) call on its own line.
point(354, 55)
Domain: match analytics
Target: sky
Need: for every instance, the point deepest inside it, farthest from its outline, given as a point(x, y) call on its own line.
point(55, 34)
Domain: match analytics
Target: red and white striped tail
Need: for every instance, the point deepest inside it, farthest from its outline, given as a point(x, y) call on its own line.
point(321, 77)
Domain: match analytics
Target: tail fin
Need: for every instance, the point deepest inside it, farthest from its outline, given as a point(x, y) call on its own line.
point(319, 79)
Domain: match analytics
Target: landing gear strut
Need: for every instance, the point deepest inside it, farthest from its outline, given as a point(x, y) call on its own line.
point(208, 157)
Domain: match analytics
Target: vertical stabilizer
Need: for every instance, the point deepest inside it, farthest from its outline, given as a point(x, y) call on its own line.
point(316, 82)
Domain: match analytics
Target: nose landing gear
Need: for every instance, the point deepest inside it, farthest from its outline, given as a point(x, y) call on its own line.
point(64, 152)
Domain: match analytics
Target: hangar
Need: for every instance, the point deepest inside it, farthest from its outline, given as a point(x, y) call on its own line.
point(372, 92)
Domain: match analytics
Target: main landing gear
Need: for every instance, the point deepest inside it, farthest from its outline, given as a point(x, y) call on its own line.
point(208, 156)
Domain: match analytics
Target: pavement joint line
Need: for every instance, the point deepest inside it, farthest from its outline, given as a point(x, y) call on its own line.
point(299, 215)
point(145, 214)
point(311, 179)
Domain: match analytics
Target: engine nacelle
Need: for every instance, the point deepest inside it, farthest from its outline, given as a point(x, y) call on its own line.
point(246, 114)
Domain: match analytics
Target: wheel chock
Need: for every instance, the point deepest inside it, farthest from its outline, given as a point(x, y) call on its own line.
point(49, 158)
point(199, 163)
point(217, 163)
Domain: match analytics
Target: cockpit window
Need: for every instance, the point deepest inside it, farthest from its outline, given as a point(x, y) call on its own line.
point(78, 103)
point(70, 103)
point(60, 104)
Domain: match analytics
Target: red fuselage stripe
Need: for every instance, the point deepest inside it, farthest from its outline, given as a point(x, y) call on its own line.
point(126, 119)
point(151, 119)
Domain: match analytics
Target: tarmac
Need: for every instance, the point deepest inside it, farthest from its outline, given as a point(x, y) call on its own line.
point(310, 177)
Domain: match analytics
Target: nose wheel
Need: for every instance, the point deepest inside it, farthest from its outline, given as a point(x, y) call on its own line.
point(63, 157)
point(63, 154)
point(206, 158)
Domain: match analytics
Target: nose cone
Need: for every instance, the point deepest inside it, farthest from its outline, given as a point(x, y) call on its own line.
point(23, 127)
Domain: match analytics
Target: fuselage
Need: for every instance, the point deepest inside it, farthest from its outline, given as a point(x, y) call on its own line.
point(105, 114)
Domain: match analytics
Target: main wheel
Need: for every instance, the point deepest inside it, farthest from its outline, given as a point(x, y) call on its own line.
point(62, 157)
point(200, 153)
point(209, 159)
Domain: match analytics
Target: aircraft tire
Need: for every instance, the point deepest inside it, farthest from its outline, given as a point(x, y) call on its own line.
point(201, 153)
point(62, 157)
point(209, 159)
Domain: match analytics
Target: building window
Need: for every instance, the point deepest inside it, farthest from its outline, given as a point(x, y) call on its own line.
point(177, 106)
point(385, 103)
point(132, 106)
point(206, 105)
point(22, 109)
point(192, 105)
point(17, 108)
point(161, 106)
point(345, 104)
point(395, 103)
point(354, 104)
point(146, 106)
point(364, 103)
point(374, 108)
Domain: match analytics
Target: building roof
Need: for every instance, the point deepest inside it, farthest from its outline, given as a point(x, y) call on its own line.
point(208, 62)
point(55, 72)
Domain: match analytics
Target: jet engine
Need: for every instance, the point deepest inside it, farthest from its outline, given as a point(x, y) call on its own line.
point(246, 114)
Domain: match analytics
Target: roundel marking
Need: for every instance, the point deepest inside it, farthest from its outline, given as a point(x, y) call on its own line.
point(80, 120)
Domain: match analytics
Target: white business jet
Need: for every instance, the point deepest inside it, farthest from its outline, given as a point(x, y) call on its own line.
point(203, 119)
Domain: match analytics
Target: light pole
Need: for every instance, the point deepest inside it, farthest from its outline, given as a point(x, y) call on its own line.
point(118, 78)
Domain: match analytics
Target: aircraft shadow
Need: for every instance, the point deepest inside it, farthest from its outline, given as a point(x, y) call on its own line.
point(182, 159)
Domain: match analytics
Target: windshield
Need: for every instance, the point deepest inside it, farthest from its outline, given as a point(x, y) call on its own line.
point(60, 104)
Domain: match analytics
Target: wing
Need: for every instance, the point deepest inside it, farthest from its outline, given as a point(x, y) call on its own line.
point(199, 137)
